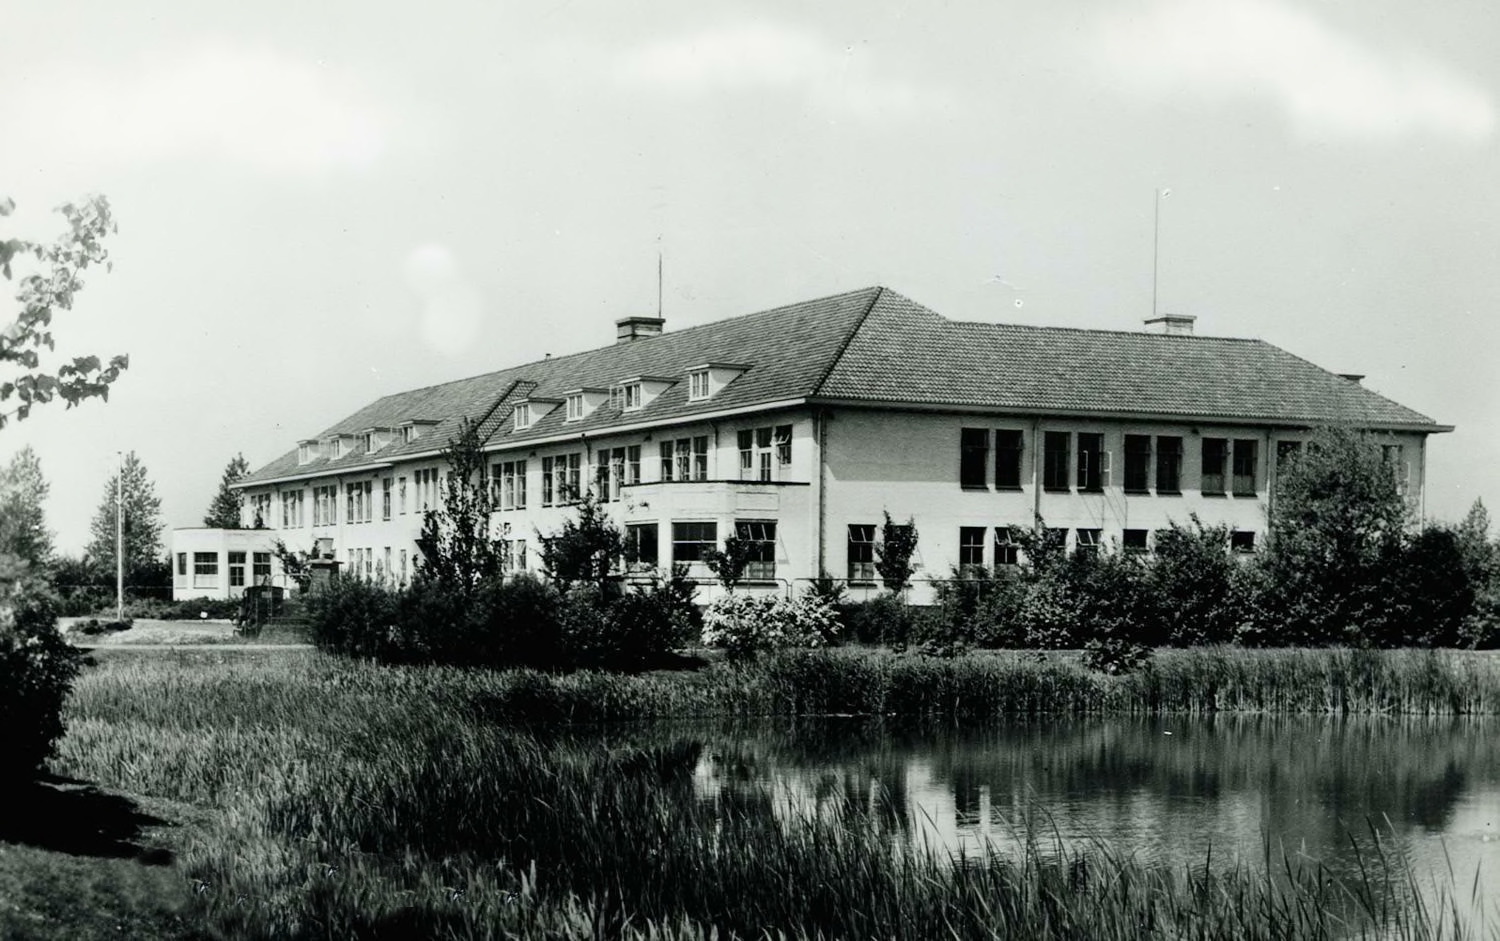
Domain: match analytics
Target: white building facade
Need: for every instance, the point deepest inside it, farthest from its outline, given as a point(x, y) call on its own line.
point(799, 428)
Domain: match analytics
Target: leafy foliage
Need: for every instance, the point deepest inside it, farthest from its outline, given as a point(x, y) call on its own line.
point(456, 551)
point(747, 625)
point(143, 526)
point(40, 294)
point(894, 551)
point(23, 524)
point(728, 564)
point(224, 511)
point(37, 667)
point(587, 549)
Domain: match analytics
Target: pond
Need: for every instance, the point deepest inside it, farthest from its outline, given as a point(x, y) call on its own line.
point(1220, 791)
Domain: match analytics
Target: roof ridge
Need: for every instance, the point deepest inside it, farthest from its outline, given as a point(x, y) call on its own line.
point(1190, 337)
point(833, 362)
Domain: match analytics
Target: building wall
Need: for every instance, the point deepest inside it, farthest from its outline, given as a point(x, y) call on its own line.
point(906, 463)
point(195, 551)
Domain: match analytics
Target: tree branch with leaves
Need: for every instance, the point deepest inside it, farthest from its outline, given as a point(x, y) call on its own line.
point(51, 287)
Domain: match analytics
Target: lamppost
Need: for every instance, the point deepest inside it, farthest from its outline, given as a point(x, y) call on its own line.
point(120, 536)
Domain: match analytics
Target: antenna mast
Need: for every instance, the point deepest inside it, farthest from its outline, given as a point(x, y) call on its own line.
point(1160, 195)
point(658, 276)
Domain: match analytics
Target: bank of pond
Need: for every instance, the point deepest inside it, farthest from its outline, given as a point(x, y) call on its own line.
point(1215, 793)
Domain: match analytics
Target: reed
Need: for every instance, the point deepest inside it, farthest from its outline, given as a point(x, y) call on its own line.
point(348, 800)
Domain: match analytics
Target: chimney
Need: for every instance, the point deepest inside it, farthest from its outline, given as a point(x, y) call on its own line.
point(638, 328)
point(1175, 325)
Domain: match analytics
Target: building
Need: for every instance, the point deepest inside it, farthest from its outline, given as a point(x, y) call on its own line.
point(220, 563)
point(798, 428)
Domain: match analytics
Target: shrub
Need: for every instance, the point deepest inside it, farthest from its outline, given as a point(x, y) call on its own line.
point(884, 619)
point(357, 618)
point(745, 625)
point(37, 668)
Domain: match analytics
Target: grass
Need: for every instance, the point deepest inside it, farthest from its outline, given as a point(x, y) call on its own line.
point(339, 799)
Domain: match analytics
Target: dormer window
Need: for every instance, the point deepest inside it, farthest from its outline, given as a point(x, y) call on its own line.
point(632, 393)
point(523, 416)
point(408, 434)
point(705, 381)
point(306, 451)
point(575, 406)
point(697, 385)
point(368, 440)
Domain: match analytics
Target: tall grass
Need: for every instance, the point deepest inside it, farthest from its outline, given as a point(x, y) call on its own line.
point(363, 802)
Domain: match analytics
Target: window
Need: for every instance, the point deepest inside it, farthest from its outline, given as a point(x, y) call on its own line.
point(385, 498)
point(611, 473)
point(1055, 461)
point(427, 489)
point(683, 459)
point(325, 505)
point(1055, 539)
point(1392, 456)
point(1213, 464)
point(667, 464)
point(1008, 460)
point(632, 397)
point(697, 385)
point(974, 458)
point(182, 563)
point(971, 546)
point(360, 497)
point(1005, 547)
point(260, 510)
point(305, 453)
point(575, 406)
point(760, 564)
point(510, 484)
point(1135, 540)
point(369, 562)
point(401, 573)
point(205, 570)
point(641, 545)
point(691, 541)
point(401, 495)
point(633, 464)
point(1168, 464)
point(700, 457)
point(1093, 462)
point(261, 568)
point(1245, 458)
point(523, 416)
point(291, 509)
point(765, 453)
point(236, 570)
point(1088, 542)
point(518, 555)
point(549, 481)
point(1242, 541)
point(384, 569)
point(572, 490)
point(861, 553)
point(1137, 464)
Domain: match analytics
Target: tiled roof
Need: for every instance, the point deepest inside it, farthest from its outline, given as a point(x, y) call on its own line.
point(876, 346)
point(904, 352)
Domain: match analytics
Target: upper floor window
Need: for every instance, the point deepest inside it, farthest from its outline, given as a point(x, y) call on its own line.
point(1246, 455)
point(1137, 463)
point(1055, 460)
point(1008, 459)
point(1168, 464)
point(974, 458)
point(1287, 452)
point(765, 453)
point(575, 406)
point(523, 416)
point(632, 396)
point(697, 385)
point(1214, 453)
point(291, 509)
point(1393, 457)
point(1093, 462)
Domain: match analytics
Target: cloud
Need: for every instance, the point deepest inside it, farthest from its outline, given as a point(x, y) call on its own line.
point(768, 57)
point(1327, 83)
point(242, 106)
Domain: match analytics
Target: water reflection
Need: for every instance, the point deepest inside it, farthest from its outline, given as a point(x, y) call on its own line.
point(1163, 790)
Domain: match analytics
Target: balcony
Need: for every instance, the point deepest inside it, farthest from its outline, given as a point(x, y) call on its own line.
point(711, 498)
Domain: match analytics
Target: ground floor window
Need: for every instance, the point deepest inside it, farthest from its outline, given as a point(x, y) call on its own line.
point(1242, 541)
point(1134, 540)
point(1088, 541)
point(182, 563)
point(691, 542)
point(205, 570)
point(970, 547)
point(1006, 550)
point(236, 570)
point(262, 568)
point(861, 552)
point(641, 545)
point(761, 536)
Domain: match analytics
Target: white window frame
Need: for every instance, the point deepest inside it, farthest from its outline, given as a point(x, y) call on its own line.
point(575, 407)
point(632, 397)
point(698, 388)
point(523, 416)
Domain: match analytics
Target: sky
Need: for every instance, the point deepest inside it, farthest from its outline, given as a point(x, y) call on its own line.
point(320, 204)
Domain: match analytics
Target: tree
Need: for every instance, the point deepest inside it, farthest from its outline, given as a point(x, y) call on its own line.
point(143, 525)
point(224, 511)
point(23, 525)
point(456, 551)
point(586, 549)
point(42, 292)
point(1337, 535)
point(728, 564)
point(898, 542)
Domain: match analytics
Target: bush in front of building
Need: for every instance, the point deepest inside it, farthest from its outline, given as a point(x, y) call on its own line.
point(37, 668)
point(745, 625)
